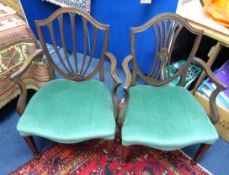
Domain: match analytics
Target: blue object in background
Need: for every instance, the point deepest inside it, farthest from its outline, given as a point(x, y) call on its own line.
point(119, 14)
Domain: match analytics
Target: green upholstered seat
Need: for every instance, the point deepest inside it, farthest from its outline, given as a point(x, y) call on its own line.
point(69, 112)
point(165, 118)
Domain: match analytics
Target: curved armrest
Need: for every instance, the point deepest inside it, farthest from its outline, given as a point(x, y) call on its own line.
point(127, 71)
point(219, 87)
point(113, 61)
point(16, 77)
point(115, 78)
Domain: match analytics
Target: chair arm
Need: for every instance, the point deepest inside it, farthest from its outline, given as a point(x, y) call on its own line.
point(16, 77)
point(113, 61)
point(127, 71)
point(115, 78)
point(219, 87)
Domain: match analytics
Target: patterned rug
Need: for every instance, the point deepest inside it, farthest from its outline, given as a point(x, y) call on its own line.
point(17, 43)
point(89, 158)
point(81, 4)
point(14, 4)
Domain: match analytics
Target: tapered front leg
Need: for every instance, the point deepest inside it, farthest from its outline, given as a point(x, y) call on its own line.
point(30, 142)
point(202, 149)
point(124, 156)
point(109, 150)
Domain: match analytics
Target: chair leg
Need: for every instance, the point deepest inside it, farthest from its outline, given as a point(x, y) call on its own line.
point(30, 142)
point(202, 149)
point(124, 156)
point(109, 150)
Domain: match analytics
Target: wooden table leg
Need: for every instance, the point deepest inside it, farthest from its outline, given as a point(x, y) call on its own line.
point(212, 54)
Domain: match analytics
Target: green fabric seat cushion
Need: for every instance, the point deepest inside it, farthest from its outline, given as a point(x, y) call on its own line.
point(69, 112)
point(165, 118)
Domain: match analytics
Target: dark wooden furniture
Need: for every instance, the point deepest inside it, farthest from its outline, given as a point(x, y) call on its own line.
point(67, 106)
point(152, 128)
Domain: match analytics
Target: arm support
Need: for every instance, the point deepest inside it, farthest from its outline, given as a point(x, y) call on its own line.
point(122, 113)
point(16, 77)
point(219, 87)
point(116, 80)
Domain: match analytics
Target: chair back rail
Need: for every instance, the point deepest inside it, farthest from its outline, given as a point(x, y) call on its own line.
point(74, 68)
point(166, 28)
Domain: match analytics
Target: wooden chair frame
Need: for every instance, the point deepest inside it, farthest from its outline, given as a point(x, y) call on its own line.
point(163, 53)
point(70, 73)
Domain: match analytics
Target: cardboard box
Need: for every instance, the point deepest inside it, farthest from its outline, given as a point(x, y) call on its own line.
point(223, 124)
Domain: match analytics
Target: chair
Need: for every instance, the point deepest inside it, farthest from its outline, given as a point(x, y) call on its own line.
point(75, 108)
point(159, 115)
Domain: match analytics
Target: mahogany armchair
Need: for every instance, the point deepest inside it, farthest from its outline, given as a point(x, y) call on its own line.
point(159, 115)
point(75, 108)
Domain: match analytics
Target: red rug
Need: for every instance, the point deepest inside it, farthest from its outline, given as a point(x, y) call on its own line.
point(89, 158)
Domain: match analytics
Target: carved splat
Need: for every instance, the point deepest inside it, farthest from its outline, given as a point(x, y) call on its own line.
point(166, 29)
point(73, 68)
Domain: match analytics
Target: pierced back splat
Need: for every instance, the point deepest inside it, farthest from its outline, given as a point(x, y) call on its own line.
point(166, 29)
point(73, 67)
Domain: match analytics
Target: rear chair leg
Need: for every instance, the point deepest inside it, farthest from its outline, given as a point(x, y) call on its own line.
point(202, 149)
point(30, 142)
point(124, 156)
